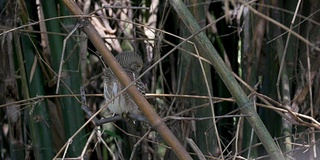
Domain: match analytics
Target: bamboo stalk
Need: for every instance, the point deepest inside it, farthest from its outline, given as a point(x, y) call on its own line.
point(203, 43)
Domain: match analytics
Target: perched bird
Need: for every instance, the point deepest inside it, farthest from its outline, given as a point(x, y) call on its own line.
point(132, 64)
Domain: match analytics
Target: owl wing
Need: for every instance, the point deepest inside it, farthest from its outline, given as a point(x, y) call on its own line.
point(139, 84)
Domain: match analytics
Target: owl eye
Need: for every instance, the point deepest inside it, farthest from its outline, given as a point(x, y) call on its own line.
point(135, 66)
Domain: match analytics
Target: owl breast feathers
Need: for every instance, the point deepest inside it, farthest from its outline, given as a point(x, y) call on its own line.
point(132, 64)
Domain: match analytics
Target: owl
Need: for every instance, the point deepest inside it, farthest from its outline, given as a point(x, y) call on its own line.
point(132, 64)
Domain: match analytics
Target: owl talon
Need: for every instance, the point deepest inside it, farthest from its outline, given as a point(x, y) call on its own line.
point(138, 117)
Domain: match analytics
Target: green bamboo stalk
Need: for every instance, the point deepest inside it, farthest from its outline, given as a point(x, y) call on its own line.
point(37, 114)
point(72, 114)
point(55, 41)
point(242, 100)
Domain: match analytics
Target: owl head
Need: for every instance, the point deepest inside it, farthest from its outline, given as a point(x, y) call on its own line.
point(130, 61)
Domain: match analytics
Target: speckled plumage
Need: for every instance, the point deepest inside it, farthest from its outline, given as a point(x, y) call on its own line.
point(132, 63)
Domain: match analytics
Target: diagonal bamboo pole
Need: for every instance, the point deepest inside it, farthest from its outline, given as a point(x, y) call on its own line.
point(156, 122)
point(203, 43)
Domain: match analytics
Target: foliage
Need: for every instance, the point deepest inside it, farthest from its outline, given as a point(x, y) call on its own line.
point(272, 47)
